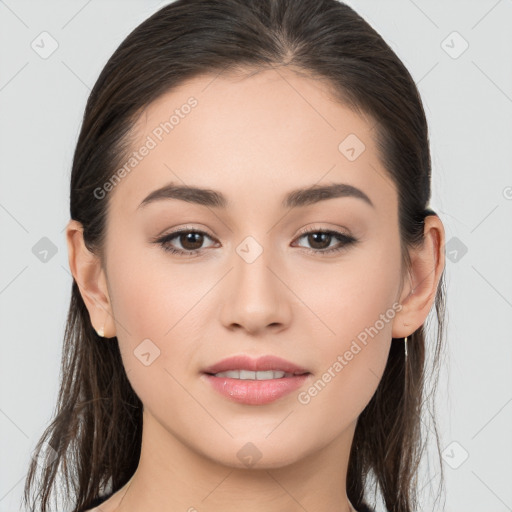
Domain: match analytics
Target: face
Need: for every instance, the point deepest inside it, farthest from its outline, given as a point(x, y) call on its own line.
point(312, 279)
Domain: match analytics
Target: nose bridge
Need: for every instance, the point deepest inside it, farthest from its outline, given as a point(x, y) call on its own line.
point(257, 298)
point(254, 282)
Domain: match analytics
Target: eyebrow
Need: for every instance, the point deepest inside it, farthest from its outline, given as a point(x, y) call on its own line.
point(295, 198)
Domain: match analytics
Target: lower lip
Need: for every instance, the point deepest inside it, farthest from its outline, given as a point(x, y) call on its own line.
point(255, 392)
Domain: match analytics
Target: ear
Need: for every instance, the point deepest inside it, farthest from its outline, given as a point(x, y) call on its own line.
point(90, 278)
point(420, 288)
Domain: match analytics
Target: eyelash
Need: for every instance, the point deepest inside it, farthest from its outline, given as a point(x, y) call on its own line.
point(345, 240)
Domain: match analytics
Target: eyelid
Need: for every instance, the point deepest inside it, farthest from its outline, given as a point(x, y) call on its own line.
point(315, 228)
point(187, 228)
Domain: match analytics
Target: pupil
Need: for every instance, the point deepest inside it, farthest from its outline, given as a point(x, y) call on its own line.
point(190, 238)
point(313, 239)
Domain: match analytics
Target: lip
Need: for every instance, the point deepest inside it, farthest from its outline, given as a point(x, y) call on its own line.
point(262, 363)
point(255, 392)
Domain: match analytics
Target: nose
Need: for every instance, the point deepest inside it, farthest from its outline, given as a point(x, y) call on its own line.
point(255, 297)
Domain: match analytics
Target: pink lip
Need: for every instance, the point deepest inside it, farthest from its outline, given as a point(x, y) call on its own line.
point(262, 363)
point(255, 392)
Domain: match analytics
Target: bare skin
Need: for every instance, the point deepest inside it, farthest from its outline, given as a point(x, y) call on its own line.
point(253, 139)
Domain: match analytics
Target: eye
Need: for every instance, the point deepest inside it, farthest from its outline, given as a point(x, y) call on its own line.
point(190, 239)
point(321, 239)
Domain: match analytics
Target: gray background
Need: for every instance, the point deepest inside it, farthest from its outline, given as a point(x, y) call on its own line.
point(468, 100)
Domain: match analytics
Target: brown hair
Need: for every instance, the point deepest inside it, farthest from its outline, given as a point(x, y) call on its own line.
point(94, 439)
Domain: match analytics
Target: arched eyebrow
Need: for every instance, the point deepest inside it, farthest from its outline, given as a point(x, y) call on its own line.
point(316, 193)
point(293, 199)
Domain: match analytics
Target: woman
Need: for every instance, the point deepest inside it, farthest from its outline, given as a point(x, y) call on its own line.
point(254, 261)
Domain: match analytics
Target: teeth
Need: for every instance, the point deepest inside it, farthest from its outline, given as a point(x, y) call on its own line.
point(248, 375)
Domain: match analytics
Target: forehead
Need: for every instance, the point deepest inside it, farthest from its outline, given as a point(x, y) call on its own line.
point(256, 135)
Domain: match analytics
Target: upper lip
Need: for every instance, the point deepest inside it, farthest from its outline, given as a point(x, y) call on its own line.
point(262, 363)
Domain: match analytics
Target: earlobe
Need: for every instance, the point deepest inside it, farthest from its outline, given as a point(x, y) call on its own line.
point(90, 278)
point(427, 264)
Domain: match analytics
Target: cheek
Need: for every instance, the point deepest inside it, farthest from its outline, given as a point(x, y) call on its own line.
point(154, 301)
point(350, 295)
point(149, 293)
point(162, 314)
point(356, 302)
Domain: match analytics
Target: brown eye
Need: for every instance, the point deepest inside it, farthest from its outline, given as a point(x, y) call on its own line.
point(191, 242)
point(320, 241)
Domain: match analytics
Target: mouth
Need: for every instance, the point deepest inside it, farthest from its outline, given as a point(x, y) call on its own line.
point(254, 391)
point(244, 367)
point(259, 375)
point(255, 381)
